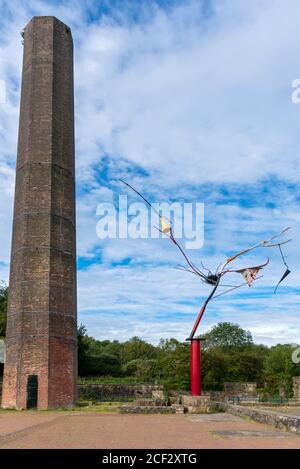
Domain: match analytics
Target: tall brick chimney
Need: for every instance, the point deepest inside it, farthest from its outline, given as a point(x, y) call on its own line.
point(41, 346)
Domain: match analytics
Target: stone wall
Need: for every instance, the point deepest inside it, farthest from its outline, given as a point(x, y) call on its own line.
point(296, 388)
point(218, 396)
point(115, 392)
point(132, 409)
point(240, 389)
point(282, 421)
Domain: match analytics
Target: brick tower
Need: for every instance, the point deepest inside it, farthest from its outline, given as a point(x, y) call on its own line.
point(41, 348)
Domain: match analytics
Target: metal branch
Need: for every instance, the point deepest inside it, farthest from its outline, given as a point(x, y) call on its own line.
point(185, 269)
point(234, 288)
point(244, 268)
point(205, 268)
point(277, 244)
point(261, 243)
point(147, 202)
point(283, 258)
point(287, 271)
point(185, 256)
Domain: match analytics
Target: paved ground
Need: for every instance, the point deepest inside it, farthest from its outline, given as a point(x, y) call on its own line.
point(33, 429)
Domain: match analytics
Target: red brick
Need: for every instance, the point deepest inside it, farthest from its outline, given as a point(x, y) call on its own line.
point(42, 311)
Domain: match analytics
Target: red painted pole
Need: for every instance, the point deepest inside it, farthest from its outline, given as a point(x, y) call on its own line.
point(195, 367)
point(199, 317)
point(195, 349)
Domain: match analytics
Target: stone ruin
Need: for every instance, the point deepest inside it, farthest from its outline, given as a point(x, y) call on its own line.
point(240, 389)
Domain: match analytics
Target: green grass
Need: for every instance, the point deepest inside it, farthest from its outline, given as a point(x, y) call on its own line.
point(103, 407)
point(83, 406)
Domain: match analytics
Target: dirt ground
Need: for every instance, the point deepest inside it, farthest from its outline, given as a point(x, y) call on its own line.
point(31, 429)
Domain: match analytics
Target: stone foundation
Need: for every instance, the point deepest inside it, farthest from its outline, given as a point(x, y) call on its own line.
point(199, 404)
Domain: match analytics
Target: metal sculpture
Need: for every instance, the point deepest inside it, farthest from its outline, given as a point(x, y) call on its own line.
point(215, 280)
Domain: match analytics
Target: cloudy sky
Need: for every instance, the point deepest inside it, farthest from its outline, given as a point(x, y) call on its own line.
point(190, 101)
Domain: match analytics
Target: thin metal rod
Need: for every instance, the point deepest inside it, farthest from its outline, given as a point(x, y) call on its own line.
point(234, 288)
point(147, 202)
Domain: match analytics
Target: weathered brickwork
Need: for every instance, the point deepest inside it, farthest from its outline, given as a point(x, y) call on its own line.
point(41, 322)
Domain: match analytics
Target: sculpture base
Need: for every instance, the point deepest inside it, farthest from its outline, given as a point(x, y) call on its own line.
point(198, 404)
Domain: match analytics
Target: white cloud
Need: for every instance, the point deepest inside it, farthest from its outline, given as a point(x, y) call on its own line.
point(190, 100)
point(157, 302)
point(185, 101)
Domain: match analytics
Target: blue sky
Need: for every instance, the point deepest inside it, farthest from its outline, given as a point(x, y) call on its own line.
point(191, 102)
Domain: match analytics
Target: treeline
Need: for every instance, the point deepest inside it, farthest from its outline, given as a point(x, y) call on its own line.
point(3, 308)
point(228, 354)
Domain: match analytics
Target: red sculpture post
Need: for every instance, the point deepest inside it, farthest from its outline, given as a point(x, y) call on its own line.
point(195, 357)
point(195, 349)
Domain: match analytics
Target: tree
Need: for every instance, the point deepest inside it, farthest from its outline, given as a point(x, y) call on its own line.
point(101, 365)
point(3, 308)
point(83, 347)
point(96, 358)
point(232, 364)
point(279, 369)
point(136, 348)
point(141, 368)
point(173, 364)
point(247, 363)
point(226, 334)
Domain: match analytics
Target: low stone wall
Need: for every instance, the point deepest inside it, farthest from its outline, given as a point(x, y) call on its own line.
point(136, 409)
point(282, 421)
point(242, 389)
point(115, 392)
point(218, 396)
